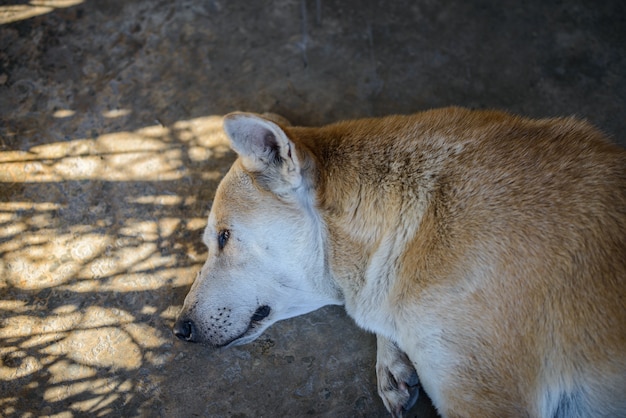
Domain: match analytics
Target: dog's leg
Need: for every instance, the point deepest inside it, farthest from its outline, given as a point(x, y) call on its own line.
point(397, 379)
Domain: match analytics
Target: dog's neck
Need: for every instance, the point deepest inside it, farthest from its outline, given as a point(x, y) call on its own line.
point(371, 210)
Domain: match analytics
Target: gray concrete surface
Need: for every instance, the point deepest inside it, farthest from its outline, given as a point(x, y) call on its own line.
point(110, 151)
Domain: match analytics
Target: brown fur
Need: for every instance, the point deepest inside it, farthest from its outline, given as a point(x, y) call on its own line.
point(486, 251)
point(520, 249)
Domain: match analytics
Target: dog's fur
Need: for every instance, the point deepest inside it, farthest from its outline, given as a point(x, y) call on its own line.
point(486, 251)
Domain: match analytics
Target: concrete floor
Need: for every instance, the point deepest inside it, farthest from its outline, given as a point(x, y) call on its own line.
point(111, 148)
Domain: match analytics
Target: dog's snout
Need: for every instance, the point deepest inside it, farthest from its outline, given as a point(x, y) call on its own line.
point(185, 330)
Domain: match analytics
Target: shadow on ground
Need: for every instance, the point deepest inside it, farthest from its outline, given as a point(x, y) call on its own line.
point(99, 245)
point(111, 148)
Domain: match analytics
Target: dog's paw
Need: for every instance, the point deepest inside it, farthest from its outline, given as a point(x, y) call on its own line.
point(398, 384)
point(399, 390)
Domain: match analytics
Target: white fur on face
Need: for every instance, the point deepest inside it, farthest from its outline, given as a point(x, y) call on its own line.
point(273, 257)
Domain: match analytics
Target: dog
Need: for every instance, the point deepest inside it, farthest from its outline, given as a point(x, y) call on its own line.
point(487, 251)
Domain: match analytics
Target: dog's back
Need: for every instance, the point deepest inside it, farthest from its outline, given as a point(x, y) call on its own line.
point(517, 270)
point(540, 209)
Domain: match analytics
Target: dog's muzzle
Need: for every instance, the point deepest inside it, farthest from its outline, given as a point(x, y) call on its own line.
point(185, 329)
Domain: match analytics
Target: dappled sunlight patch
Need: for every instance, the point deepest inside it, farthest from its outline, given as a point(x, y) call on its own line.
point(154, 153)
point(170, 313)
point(99, 240)
point(144, 335)
point(108, 347)
point(63, 113)
point(15, 306)
point(116, 113)
point(144, 230)
point(65, 370)
point(31, 325)
point(16, 12)
point(45, 259)
point(205, 137)
point(19, 364)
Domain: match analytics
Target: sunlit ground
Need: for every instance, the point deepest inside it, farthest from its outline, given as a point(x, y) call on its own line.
point(99, 239)
point(25, 10)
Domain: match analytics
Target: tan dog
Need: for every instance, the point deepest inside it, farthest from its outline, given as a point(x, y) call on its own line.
point(486, 251)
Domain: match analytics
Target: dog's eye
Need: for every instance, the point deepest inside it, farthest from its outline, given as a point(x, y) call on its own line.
point(222, 238)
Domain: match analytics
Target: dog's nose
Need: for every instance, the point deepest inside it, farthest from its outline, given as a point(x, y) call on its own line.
point(185, 330)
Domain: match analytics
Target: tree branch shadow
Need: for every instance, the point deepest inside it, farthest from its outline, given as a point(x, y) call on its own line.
point(94, 270)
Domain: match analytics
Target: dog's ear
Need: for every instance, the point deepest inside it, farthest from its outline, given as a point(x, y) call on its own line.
point(264, 149)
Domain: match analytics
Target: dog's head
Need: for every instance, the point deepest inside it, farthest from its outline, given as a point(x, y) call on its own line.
point(265, 242)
